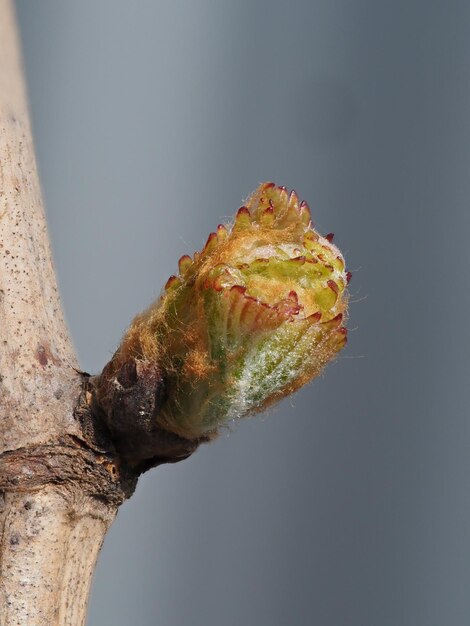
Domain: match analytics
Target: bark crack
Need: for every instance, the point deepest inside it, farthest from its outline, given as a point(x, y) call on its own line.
point(67, 463)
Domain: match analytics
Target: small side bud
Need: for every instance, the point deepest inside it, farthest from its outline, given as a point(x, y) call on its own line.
point(252, 317)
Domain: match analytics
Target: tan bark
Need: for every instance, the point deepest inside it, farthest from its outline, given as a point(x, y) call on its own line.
point(49, 543)
point(36, 355)
point(53, 511)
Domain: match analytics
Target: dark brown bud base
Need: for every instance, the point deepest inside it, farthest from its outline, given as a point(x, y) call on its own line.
point(119, 413)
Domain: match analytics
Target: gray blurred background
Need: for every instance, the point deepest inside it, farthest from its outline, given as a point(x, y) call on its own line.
point(349, 505)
